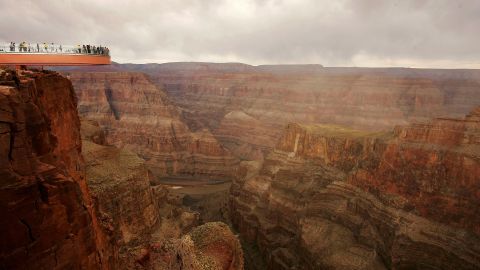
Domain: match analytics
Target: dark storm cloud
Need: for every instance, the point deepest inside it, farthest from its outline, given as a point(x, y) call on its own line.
point(436, 33)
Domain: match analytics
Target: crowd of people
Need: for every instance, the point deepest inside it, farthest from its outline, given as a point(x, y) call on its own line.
point(90, 49)
point(55, 48)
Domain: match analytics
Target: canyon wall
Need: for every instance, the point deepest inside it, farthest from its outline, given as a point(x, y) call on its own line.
point(146, 229)
point(48, 219)
point(329, 197)
point(63, 210)
point(362, 181)
point(138, 116)
point(126, 205)
point(260, 100)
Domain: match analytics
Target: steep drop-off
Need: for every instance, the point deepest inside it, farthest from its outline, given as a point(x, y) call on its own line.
point(48, 219)
point(145, 228)
point(330, 197)
point(127, 206)
point(61, 211)
point(139, 117)
point(326, 196)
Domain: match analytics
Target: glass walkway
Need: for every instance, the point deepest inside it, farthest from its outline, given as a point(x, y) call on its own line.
point(49, 54)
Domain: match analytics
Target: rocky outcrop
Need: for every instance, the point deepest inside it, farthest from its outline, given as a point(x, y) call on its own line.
point(139, 117)
point(333, 197)
point(92, 131)
point(48, 219)
point(120, 186)
point(209, 246)
point(219, 96)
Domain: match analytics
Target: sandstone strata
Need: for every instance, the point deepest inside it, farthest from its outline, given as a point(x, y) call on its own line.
point(48, 220)
point(61, 212)
point(332, 197)
point(147, 229)
point(139, 117)
point(120, 187)
point(221, 96)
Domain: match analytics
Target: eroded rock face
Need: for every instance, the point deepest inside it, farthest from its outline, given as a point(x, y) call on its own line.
point(47, 214)
point(119, 183)
point(245, 136)
point(127, 206)
point(146, 228)
point(332, 197)
point(139, 117)
point(61, 212)
point(222, 97)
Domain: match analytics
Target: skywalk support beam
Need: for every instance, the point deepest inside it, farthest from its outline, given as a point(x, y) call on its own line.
point(46, 59)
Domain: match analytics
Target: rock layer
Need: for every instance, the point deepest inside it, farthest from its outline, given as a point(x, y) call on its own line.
point(47, 215)
point(146, 229)
point(332, 197)
point(119, 184)
point(139, 117)
point(59, 212)
point(222, 96)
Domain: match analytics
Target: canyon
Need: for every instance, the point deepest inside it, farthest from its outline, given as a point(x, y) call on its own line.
point(146, 229)
point(47, 212)
point(313, 167)
point(246, 107)
point(330, 197)
point(138, 116)
point(358, 179)
point(70, 200)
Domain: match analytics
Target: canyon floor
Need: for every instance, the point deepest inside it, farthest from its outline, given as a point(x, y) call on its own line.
point(232, 166)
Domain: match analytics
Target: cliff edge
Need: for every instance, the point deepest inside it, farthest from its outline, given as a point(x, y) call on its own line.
point(47, 215)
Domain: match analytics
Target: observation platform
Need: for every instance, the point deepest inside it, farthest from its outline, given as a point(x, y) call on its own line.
point(42, 54)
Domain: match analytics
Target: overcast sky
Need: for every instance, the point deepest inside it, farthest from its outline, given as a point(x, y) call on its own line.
point(417, 33)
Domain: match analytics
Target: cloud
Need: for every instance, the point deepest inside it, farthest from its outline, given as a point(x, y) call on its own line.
point(416, 33)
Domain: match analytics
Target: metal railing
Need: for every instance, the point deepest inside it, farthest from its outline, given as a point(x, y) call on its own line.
point(51, 48)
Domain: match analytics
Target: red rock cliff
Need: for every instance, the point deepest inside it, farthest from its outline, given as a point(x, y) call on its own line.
point(333, 197)
point(47, 216)
point(137, 115)
point(214, 95)
point(51, 220)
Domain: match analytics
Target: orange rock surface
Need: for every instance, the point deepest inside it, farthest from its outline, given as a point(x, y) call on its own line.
point(60, 212)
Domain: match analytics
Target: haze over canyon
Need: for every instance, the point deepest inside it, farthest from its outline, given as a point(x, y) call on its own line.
point(233, 166)
point(240, 135)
